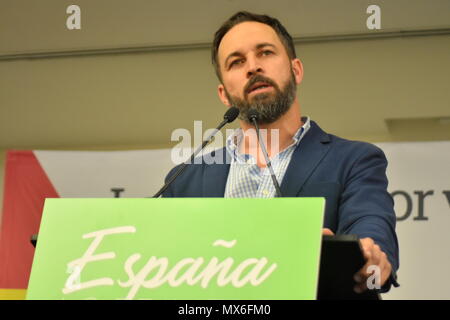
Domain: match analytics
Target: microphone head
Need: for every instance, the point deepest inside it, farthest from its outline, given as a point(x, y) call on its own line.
point(253, 115)
point(231, 114)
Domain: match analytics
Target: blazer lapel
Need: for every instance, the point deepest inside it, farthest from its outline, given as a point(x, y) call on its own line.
point(308, 154)
point(215, 177)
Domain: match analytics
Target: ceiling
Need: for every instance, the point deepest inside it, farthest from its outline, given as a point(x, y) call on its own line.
point(132, 100)
point(40, 26)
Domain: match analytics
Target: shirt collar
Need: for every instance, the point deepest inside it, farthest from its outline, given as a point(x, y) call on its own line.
point(234, 140)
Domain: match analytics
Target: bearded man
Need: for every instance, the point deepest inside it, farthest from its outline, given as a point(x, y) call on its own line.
point(255, 60)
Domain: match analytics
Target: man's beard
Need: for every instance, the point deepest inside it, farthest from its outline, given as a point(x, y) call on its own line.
point(270, 106)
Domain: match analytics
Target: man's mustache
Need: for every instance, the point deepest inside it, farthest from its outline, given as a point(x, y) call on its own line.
point(259, 78)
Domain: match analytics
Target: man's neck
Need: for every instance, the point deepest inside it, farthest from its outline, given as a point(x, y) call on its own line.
point(277, 135)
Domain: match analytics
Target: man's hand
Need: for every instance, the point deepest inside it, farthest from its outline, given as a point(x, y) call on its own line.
point(374, 257)
point(327, 232)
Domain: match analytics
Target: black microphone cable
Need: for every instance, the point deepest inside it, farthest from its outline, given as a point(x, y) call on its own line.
point(253, 116)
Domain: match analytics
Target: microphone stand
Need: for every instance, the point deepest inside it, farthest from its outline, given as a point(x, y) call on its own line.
point(229, 117)
point(253, 118)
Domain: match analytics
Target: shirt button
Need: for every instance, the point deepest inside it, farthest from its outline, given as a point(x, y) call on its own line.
point(265, 192)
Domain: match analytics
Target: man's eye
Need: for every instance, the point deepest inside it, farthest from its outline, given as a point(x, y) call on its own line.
point(266, 52)
point(235, 62)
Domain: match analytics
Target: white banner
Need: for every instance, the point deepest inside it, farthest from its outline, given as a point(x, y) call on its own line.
point(419, 180)
point(94, 174)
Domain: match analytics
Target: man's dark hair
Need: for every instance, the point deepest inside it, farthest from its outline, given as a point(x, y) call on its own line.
point(244, 16)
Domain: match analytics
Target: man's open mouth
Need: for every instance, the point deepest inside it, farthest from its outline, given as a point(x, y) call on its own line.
point(259, 86)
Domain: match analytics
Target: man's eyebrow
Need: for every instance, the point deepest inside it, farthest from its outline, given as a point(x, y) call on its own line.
point(265, 44)
point(257, 47)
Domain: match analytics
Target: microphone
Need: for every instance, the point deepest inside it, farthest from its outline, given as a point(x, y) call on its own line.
point(253, 115)
point(228, 117)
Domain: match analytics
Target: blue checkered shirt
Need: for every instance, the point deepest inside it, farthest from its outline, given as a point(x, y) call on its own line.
point(246, 179)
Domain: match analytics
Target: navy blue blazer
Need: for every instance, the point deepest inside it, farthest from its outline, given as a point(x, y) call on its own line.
point(351, 175)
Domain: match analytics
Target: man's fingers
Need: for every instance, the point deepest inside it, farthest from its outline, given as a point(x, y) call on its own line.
point(361, 278)
point(360, 288)
point(327, 232)
point(376, 255)
point(362, 275)
point(367, 243)
point(377, 264)
point(372, 255)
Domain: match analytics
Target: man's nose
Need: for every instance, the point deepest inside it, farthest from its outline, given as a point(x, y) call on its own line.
point(254, 67)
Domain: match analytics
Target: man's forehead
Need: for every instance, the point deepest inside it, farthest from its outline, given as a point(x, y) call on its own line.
point(247, 35)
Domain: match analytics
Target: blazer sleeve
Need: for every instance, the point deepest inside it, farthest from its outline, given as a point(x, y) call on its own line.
point(366, 207)
point(169, 193)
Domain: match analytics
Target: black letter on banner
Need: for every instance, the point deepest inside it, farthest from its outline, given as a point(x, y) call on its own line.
point(117, 192)
point(447, 194)
point(408, 204)
point(421, 216)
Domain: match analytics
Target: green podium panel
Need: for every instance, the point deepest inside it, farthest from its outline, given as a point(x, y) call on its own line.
point(185, 248)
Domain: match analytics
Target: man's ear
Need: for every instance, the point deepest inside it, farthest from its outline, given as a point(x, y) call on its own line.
point(297, 68)
point(222, 95)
